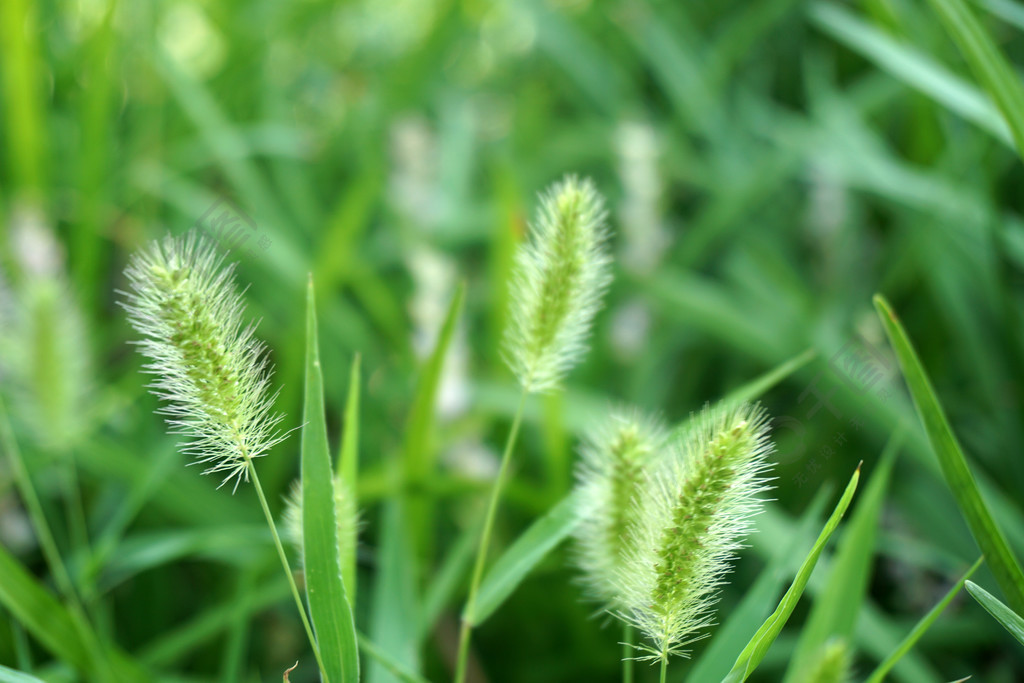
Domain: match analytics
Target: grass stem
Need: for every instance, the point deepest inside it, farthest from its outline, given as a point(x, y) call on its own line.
point(485, 540)
point(287, 567)
point(664, 666)
point(628, 636)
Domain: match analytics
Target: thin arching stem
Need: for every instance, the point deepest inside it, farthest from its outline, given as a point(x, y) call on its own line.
point(485, 540)
point(664, 666)
point(284, 563)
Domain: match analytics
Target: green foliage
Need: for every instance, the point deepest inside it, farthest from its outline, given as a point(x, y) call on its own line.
point(765, 167)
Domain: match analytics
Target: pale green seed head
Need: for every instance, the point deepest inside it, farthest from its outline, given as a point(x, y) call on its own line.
point(831, 664)
point(691, 523)
point(561, 273)
point(45, 366)
point(209, 367)
point(345, 512)
point(613, 474)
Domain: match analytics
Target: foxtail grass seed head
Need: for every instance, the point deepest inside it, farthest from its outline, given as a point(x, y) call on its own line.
point(696, 513)
point(560, 276)
point(345, 513)
point(612, 478)
point(45, 364)
point(831, 664)
point(210, 369)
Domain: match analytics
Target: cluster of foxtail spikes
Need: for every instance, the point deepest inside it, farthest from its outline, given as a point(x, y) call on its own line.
point(663, 517)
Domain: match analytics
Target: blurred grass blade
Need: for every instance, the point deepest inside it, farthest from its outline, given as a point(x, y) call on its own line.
point(41, 614)
point(1010, 620)
point(712, 665)
point(756, 649)
point(448, 578)
point(958, 475)
point(755, 388)
point(912, 67)
point(328, 605)
point(990, 66)
point(348, 473)
point(419, 455)
point(879, 674)
point(395, 600)
point(12, 676)
point(393, 667)
point(835, 609)
point(523, 555)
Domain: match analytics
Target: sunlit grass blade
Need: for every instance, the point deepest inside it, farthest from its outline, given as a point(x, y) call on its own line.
point(879, 674)
point(1010, 620)
point(329, 607)
point(12, 676)
point(961, 482)
point(987, 62)
point(348, 474)
point(837, 605)
point(522, 556)
point(740, 623)
point(756, 649)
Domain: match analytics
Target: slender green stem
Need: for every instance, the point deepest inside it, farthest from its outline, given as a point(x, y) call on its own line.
point(485, 540)
point(287, 567)
point(49, 546)
point(628, 635)
point(664, 666)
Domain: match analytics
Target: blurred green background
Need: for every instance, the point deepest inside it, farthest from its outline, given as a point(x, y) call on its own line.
point(768, 165)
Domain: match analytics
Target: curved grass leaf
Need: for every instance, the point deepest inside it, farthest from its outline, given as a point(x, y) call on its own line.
point(522, 556)
point(328, 604)
point(912, 67)
point(878, 675)
point(961, 482)
point(996, 74)
point(1010, 620)
point(12, 676)
point(758, 646)
point(835, 610)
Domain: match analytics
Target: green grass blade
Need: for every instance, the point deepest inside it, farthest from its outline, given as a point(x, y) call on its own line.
point(713, 663)
point(912, 67)
point(328, 604)
point(879, 674)
point(393, 667)
point(523, 555)
point(958, 475)
point(348, 473)
point(419, 452)
point(759, 385)
point(1010, 620)
point(12, 676)
point(448, 578)
point(835, 610)
point(396, 605)
point(41, 614)
point(756, 649)
point(990, 66)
